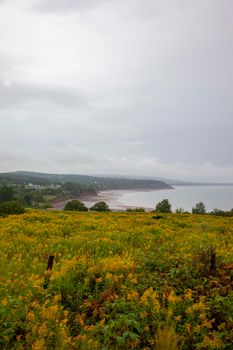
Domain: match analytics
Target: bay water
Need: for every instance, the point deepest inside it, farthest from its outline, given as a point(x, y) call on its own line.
point(186, 197)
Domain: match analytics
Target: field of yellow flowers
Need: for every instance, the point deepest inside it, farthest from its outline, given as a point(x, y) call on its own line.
point(119, 281)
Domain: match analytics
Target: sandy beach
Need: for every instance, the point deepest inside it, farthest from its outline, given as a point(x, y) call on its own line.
point(111, 197)
point(89, 199)
point(85, 198)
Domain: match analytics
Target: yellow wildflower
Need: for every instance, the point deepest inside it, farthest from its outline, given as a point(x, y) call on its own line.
point(188, 295)
point(154, 295)
point(132, 295)
point(64, 337)
point(211, 342)
point(198, 306)
point(108, 276)
point(202, 316)
point(188, 327)
point(39, 345)
point(4, 301)
point(146, 295)
point(207, 324)
point(178, 318)
point(42, 330)
point(102, 322)
point(156, 304)
point(30, 316)
point(57, 297)
point(173, 298)
point(197, 329)
point(80, 318)
point(34, 304)
point(49, 312)
point(222, 326)
point(169, 312)
point(89, 328)
point(202, 298)
point(132, 278)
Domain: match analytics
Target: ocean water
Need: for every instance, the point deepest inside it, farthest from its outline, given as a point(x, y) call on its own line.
point(185, 197)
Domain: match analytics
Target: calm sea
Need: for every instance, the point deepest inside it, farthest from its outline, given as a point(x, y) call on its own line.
point(185, 197)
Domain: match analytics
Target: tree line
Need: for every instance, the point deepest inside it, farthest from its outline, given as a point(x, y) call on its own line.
point(162, 207)
point(14, 202)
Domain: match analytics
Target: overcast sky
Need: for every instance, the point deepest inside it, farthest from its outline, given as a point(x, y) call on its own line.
point(130, 87)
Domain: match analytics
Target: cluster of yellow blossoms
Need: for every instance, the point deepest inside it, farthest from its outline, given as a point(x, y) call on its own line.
point(119, 281)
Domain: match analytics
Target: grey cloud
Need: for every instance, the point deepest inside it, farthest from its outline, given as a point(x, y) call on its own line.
point(152, 87)
point(135, 8)
point(10, 161)
point(7, 63)
point(70, 155)
point(14, 94)
point(65, 5)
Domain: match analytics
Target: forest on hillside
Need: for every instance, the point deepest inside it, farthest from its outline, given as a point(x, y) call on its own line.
point(41, 190)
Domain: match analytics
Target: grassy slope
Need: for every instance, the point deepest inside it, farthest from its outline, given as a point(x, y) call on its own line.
point(119, 281)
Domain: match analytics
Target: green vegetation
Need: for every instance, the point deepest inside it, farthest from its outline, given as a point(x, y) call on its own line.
point(38, 190)
point(135, 210)
point(75, 205)
point(91, 182)
point(199, 208)
point(11, 207)
point(100, 206)
point(119, 281)
point(220, 212)
point(6, 194)
point(163, 207)
point(8, 204)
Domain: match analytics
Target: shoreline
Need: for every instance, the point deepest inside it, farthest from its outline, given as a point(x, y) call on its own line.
point(108, 195)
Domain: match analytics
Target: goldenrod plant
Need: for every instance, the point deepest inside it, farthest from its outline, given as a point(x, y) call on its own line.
point(118, 281)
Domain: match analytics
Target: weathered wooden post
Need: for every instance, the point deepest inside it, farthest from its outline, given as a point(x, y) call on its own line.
point(212, 260)
point(49, 270)
point(50, 263)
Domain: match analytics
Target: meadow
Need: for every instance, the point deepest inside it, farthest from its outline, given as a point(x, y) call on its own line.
point(119, 281)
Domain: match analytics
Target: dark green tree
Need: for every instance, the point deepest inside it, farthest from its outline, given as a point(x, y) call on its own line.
point(179, 210)
point(75, 205)
point(72, 188)
point(100, 206)
point(217, 212)
point(135, 210)
point(11, 207)
point(6, 194)
point(27, 199)
point(199, 208)
point(163, 207)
